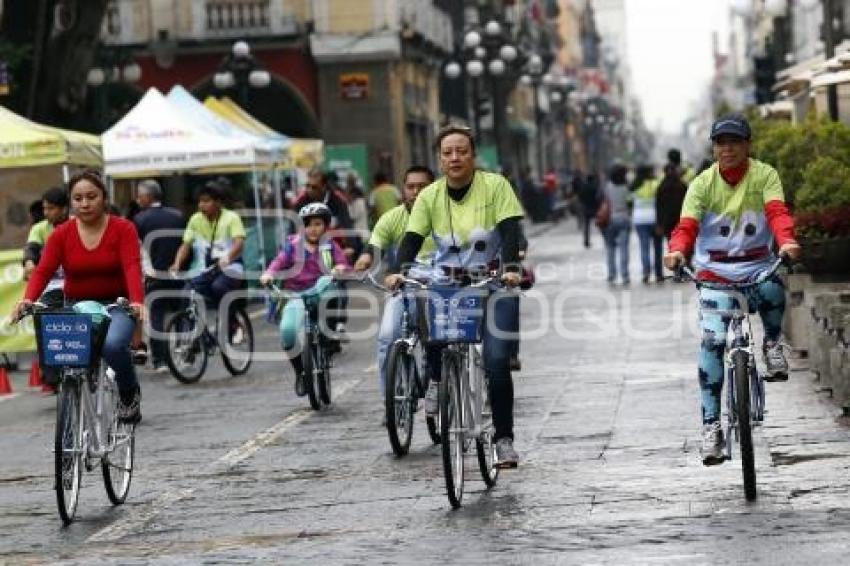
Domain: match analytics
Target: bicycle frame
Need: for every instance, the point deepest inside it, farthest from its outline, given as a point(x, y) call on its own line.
point(98, 414)
point(739, 339)
point(472, 386)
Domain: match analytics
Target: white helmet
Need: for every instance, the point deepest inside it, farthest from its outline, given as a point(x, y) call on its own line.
point(315, 210)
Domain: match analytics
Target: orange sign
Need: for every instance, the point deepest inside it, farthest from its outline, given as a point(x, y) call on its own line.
point(354, 86)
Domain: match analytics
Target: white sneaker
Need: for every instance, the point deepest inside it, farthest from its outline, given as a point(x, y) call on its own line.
point(431, 403)
point(238, 336)
point(712, 444)
point(775, 362)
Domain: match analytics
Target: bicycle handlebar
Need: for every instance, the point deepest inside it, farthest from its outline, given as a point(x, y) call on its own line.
point(687, 273)
point(122, 303)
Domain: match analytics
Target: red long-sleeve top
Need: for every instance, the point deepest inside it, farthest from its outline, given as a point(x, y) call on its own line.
point(112, 269)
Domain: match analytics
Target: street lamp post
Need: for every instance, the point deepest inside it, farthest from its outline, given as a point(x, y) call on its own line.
point(241, 70)
point(112, 65)
point(485, 52)
point(829, 53)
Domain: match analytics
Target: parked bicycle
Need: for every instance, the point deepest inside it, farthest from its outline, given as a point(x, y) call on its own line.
point(317, 349)
point(88, 431)
point(745, 392)
point(191, 341)
point(454, 317)
point(406, 380)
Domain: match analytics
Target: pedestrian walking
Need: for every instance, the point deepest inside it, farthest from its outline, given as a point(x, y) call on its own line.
point(668, 200)
point(644, 219)
point(357, 210)
point(589, 198)
point(160, 230)
point(616, 233)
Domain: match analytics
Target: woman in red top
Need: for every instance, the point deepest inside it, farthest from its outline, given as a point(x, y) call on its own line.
point(100, 256)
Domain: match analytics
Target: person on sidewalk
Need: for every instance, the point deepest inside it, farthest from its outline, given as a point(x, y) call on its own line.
point(668, 201)
point(160, 231)
point(732, 215)
point(386, 237)
point(644, 220)
point(474, 218)
point(616, 232)
point(589, 197)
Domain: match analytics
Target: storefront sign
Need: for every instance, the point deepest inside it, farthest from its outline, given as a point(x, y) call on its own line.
point(354, 86)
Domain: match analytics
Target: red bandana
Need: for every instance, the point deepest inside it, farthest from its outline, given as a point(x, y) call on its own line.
point(734, 175)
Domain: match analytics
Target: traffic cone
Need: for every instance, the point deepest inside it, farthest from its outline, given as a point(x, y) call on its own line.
point(35, 374)
point(5, 384)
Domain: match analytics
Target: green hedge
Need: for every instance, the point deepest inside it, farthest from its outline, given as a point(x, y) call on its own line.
point(813, 161)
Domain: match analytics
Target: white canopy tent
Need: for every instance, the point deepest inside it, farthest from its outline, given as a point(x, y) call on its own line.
point(156, 138)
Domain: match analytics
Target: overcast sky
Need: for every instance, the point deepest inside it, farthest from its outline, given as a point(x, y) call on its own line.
point(670, 52)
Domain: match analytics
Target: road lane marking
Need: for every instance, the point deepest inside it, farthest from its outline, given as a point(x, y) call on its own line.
point(137, 518)
point(9, 396)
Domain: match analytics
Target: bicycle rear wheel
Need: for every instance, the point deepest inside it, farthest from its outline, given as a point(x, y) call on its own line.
point(451, 428)
point(186, 355)
point(238, 352)
point(399, 401)
point(68, 449)
point(745, 433)
point(310, 385)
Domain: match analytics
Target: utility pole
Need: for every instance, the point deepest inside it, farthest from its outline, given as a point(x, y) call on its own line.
point(829, 53)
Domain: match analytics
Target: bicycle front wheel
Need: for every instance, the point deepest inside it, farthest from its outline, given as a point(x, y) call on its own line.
point(238, 352)
point(451, 428)
point(745, 433)
point(68, 449)
point(117, 466)
point(324, 377)
point(186, 355)
point(399, 401)
point(309, 367)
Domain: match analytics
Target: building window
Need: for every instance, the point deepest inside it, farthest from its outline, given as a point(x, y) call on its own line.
point(227, 16)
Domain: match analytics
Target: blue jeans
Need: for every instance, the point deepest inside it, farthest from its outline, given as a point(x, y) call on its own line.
point(768, 299)
point(497, 358)
point(390, 331)
point(646, 236)
point(116, 353)
point(617, 239)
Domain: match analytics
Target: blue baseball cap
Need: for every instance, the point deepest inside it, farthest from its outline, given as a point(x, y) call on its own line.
point(733, 125)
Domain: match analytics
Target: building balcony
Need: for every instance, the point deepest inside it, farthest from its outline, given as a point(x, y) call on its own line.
point(408, 18)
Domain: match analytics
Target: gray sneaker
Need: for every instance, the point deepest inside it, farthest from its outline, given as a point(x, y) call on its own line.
point(774, 360)
point(431, 404)
point(130, 413)
point(712, 444)
point(506, 456)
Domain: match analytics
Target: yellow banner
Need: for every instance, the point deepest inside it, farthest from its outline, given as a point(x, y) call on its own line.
point(18, 337)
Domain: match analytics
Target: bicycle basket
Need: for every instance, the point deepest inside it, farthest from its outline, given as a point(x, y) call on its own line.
point(67, 338)
point(451, 315)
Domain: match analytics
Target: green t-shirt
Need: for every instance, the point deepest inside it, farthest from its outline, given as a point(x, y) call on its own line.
point(465, 232)
point(219, 235)
point(382, 199)
point(389, 231)
point(735, 240)
point(39, 232)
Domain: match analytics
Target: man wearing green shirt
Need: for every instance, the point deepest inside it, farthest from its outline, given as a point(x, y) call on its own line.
point(386, 237)
point(216, 236)
point(383, 197)
point(474, 218)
